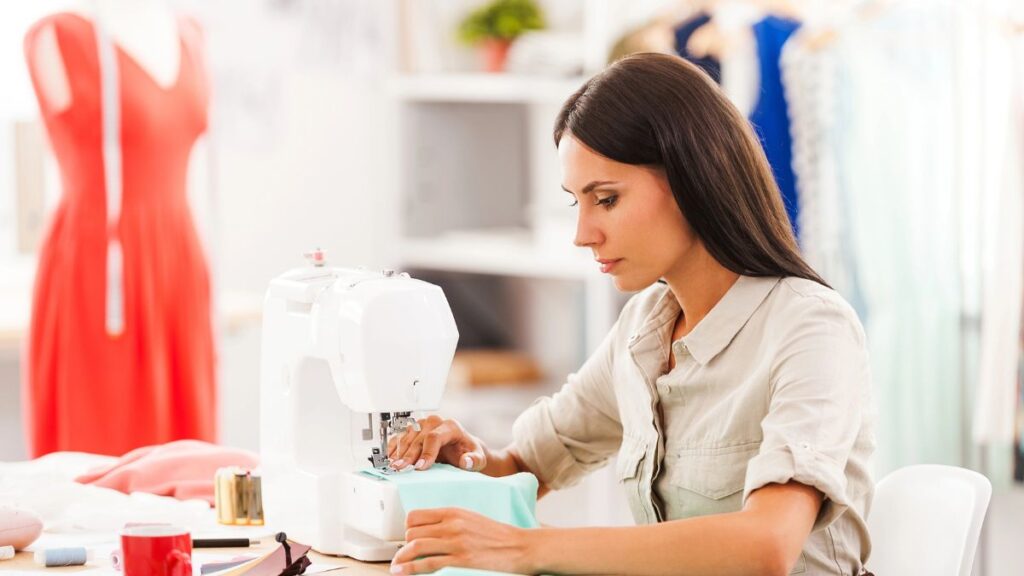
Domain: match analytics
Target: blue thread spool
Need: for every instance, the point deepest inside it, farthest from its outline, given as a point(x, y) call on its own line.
point(52, 557)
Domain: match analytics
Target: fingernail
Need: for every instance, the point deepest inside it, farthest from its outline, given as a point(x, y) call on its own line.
point(397, 464)
point(419, 465)
point(467, 462)
point(396, 568)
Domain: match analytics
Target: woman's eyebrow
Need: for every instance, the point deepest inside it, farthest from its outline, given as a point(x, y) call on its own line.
point(592, 185)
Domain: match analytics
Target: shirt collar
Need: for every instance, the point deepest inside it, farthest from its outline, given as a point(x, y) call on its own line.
point(716, 330)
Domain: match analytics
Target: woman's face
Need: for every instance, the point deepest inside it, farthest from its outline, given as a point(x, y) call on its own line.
point(626, 215)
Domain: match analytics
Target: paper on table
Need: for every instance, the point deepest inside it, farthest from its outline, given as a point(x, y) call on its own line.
point(271, 563)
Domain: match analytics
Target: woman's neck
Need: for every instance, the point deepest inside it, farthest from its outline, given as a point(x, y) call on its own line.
point(698, 285)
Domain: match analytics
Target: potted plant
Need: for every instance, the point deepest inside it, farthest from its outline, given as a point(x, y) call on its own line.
point(495, 25)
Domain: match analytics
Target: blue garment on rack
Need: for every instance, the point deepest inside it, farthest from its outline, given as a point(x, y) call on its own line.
point(683, 33)
point(770, 116)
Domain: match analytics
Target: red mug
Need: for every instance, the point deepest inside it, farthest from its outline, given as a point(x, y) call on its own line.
point(156, 551)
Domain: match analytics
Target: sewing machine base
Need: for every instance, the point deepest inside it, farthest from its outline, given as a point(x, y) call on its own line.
point(374, 507)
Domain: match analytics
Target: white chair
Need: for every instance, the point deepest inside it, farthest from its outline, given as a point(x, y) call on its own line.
point(926, 520)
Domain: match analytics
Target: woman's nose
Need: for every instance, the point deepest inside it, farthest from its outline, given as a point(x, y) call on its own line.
point(586, 233)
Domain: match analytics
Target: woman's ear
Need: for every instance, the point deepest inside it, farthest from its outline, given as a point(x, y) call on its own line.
point(661, 177)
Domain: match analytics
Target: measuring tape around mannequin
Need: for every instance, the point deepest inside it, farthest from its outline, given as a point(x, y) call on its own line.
point(110, 115)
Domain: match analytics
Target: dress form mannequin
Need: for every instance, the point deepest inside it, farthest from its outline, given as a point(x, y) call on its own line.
point(123, 93)
point(147, 30)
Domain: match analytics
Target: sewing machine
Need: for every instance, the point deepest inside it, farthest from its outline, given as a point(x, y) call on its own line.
point(347, 356)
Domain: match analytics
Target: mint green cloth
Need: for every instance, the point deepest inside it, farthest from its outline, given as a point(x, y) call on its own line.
point(509, 499)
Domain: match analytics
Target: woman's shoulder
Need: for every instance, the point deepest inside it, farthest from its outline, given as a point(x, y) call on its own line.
point(804, 291)
point(799, 300)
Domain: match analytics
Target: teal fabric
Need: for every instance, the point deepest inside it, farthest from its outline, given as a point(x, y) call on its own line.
point(509, 499)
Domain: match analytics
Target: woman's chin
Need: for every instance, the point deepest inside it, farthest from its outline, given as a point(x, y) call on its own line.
point(629, 283)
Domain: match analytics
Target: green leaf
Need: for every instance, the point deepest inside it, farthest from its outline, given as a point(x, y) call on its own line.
point(502, 19)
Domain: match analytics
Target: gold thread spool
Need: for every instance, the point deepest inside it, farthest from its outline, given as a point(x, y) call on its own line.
point(240, 501)
point(224, 495)
point(255, 514)
point(238, 497)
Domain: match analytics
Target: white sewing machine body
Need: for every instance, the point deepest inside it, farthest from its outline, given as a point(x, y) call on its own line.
point(345, 352)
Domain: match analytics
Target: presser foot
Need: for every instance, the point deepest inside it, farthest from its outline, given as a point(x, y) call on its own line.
point(381, 462)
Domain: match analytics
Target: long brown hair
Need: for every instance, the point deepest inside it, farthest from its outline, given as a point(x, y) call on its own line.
point(654, 109)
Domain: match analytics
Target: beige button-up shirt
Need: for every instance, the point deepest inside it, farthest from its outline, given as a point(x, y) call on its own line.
point(771, 386)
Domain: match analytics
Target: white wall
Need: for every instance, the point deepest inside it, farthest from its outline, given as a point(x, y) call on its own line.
point(300, 158)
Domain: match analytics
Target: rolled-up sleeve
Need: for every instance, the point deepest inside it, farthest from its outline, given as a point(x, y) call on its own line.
point(563, 437)
point(818, 389)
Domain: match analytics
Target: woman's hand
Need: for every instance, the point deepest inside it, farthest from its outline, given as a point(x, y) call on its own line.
point(456, 537)
point(437, 440)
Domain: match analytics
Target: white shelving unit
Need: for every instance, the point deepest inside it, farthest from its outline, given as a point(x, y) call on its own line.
point(469, 87)
point(479, 186)
point(503, 252)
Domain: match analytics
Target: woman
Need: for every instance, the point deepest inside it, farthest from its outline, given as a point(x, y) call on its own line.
point(734, 388)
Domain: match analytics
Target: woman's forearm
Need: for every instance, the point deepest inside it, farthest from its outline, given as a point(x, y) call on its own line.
point(736, 543)
point(506, 462)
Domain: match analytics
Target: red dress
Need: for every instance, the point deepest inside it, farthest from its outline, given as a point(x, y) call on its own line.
point(154, 382)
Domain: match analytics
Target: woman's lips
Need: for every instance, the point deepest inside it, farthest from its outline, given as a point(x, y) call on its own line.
point(607, 265)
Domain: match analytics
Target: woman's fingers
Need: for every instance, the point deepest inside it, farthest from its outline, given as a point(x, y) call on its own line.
point(437, 440)
point(410, 458)
point(421, 548)
point(455, 537)
point(407, 449)
point(404, 449)
point(427, 531)
point(427, 565)
point(428, 443)
point(473, 460)
point(427, 516)
point(466, 453)
point(433, 441)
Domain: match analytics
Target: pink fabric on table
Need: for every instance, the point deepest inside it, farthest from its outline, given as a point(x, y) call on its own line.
point(183, 469)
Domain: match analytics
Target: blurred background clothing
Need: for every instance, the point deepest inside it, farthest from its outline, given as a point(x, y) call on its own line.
point(87, 389)
point(888, 152)
point(770, 114)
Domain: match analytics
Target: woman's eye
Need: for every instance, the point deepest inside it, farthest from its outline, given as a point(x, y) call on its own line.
point(607, 201)
point(574, 203)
